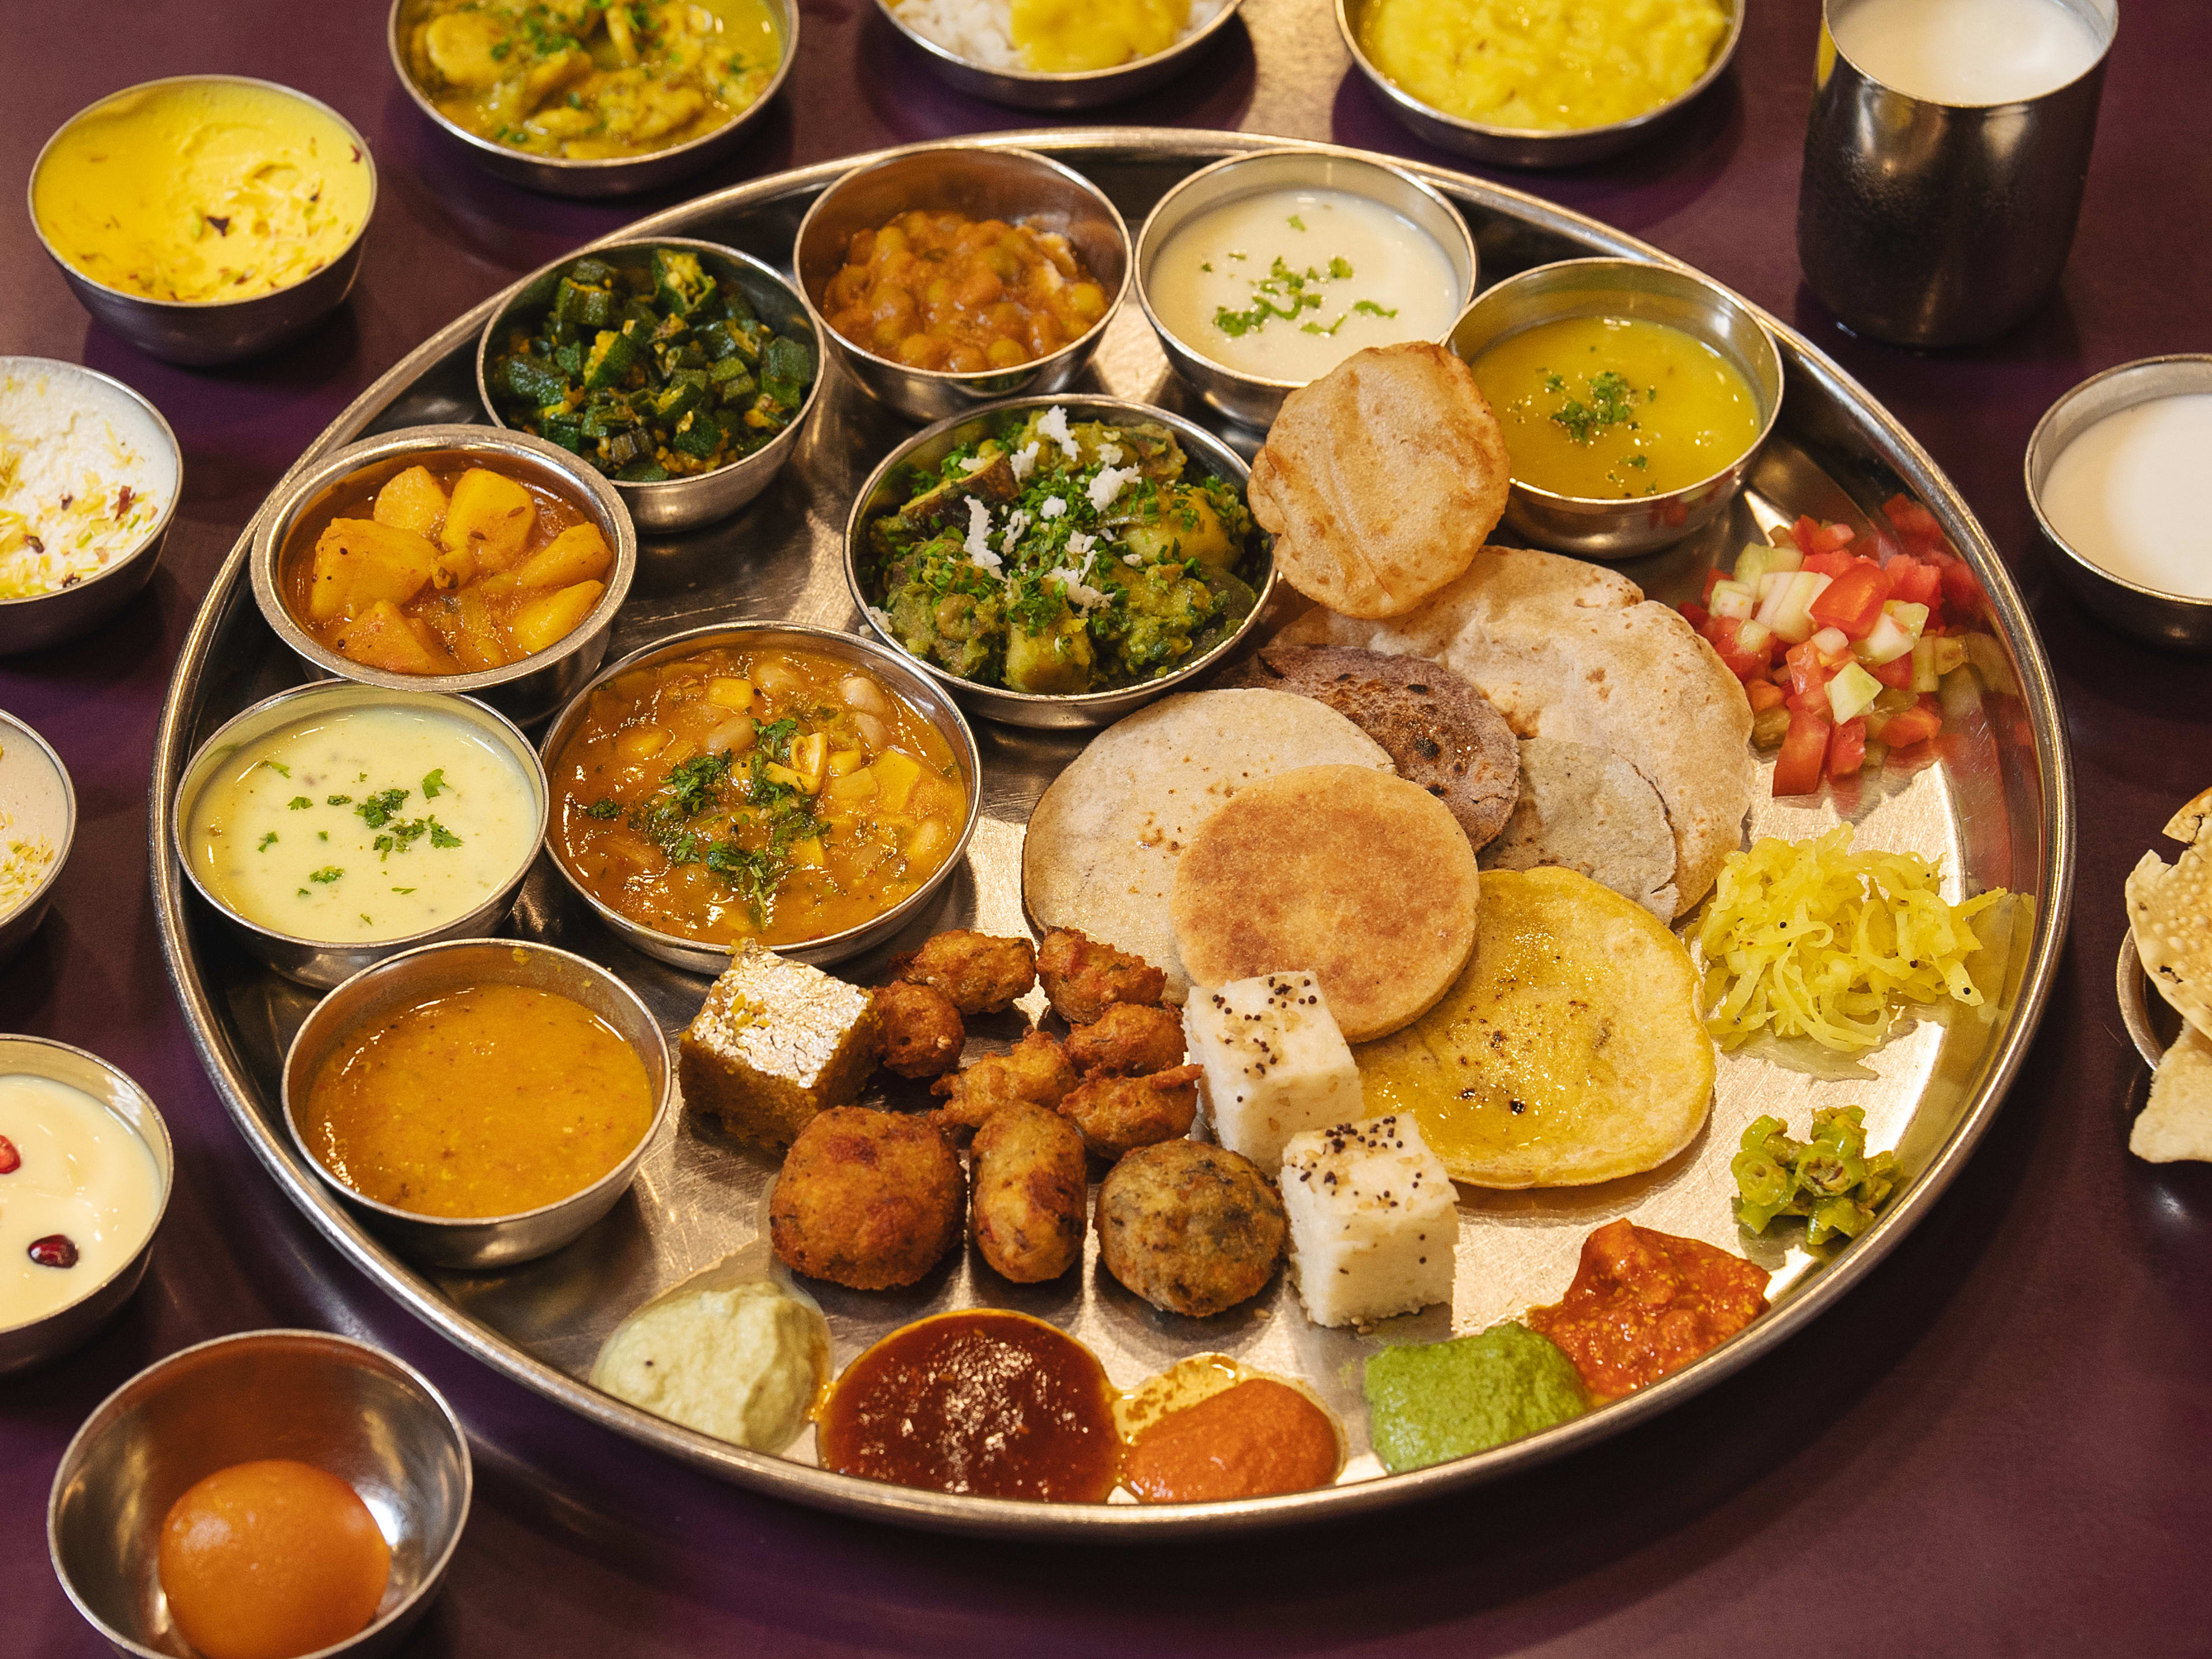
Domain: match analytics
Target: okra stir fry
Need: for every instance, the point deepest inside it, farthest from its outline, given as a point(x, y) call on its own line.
point(649, 373)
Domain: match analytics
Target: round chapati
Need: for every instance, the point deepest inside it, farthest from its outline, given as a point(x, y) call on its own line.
point(1102, 843)
point(1587, 810)
point(1570, 650)
point(1357, 877)
point(1382, 479)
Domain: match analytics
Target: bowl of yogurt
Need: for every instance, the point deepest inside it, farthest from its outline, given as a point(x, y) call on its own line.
point(85, 1172)
point(37, 822)
point(2112, 471)
point(1262, 272)
point(88, 480)
point(336, 825)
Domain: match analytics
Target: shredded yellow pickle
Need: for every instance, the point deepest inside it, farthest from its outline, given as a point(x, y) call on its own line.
point(1809, 939)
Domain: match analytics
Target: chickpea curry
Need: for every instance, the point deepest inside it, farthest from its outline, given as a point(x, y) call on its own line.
point(758, 793)
point(939, 290)
point(593, 80)
point(453, 570)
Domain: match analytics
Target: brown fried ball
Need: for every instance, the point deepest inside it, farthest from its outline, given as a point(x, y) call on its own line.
point(922, 1032)
point(1117, 1114)
point(980, 973)
point(1036, 1071)
point(1191, 1228)
point(868, 1200)
point(1031, 1182)
point(1129, 1041)
point(1084, 978)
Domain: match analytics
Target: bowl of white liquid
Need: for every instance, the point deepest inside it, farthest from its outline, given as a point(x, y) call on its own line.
point(2114, 470)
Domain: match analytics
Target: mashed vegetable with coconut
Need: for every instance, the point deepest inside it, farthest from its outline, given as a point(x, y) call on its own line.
point(1809, 939)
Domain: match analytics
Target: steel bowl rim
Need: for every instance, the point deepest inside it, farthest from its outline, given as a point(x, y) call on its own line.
point(183, 307)
point(44, 890)
point(2133, 992)
point(598, 166)
point(2035, 441)
point(1229, 163)
point(618, 1177)
point(1082, 346)
point(1182, 426)
point(153, 538)
point(2104, 51)
point(434, 1571)
point(779, 446)
point(158, 1141)
point(1609, 131)
point(1735, 302)
point(180, 821)
point(970, 754)
point(1071, 79)
point(297, 488)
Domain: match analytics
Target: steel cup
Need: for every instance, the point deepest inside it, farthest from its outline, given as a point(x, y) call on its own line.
point(1927, 224)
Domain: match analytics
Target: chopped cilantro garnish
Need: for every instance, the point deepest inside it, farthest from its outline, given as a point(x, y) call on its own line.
point(403, 889)
point(341, 800)
point(434, 784)
point(1297, 223)
point(300, 802)
point(376, 812)
point(327, 874)
point(441, 836)
point(605, 811)
point(1369, 308)
point(267, 841)
point(278, 768)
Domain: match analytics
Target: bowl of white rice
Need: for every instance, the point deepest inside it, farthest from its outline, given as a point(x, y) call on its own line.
point(974, 45)
point(89, 478)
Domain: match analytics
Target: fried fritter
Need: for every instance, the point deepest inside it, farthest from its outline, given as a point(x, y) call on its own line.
point(1083, 978)
point(1191, 1228)
point(922, 1033)
point(1127, 1041)
point(1029, 1192)
point(1117, 1114)
point(1036, 1071)
point(980, 973)
point(867, 1199)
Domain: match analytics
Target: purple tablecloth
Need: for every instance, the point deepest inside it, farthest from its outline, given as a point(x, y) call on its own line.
point(2002, 1443)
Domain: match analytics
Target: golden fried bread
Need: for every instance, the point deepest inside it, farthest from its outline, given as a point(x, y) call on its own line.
point(1382, 479)
point(1363, 878)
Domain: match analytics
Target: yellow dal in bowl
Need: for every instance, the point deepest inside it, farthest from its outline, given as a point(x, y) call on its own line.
point(488, 1102)
point(1547, 64)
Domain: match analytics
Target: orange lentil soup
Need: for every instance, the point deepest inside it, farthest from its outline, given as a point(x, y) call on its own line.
point(754, 794)
point(487, 1102)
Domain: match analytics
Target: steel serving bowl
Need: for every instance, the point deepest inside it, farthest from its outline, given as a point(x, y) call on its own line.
point(199, 334)
point(882, 494)
point(1526, 147)
point(698, 498)
point(39, 620)
point(345, 1407)
point(323, 962)
point(898, 671)
point(36, 1341)
point(2177, 621)
point(1254, 399)
point(1075, 89)
point(38, 804)
point(525, 691)
point(1017, 185)
point(2153, 1026)
point(1593, 527)
point(613, 175)
point(478, 1243)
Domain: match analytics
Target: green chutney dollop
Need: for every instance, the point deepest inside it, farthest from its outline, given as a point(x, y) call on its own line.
point(1431, 1402)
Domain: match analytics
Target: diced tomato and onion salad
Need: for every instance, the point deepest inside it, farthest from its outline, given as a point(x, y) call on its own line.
point(1842, 640)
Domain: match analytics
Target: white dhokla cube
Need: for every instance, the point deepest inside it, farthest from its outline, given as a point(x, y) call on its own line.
point(1275, 1063)
point(1373, 1220)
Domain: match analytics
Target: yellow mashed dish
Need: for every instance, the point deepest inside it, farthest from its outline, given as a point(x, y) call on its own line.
point(590, 80)
point(202, 192)
point(1551, 64)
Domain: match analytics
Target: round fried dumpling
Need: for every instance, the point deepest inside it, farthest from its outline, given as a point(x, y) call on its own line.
point(867, 1199)
point(1361, 879)
point(1382, 480)
point(1190, 1228)
point(1570, 1052)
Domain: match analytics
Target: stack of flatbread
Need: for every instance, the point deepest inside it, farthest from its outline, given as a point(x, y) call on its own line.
point(2170, 907)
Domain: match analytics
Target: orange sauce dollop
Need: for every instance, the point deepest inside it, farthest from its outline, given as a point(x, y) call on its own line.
point(1643, 1303)
point(269, 1560)
point(1257, 1437)
point(990, 1403)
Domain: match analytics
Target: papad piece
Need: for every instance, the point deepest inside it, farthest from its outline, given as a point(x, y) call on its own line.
point(1587, 810)
point(1102, 843)
point(1568, 650)
point(2176, 1122)
point(2170, 907)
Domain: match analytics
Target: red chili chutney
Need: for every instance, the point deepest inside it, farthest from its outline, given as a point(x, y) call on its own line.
point(995, 1404)
point(1644, 1304)
point(1257, 1437)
